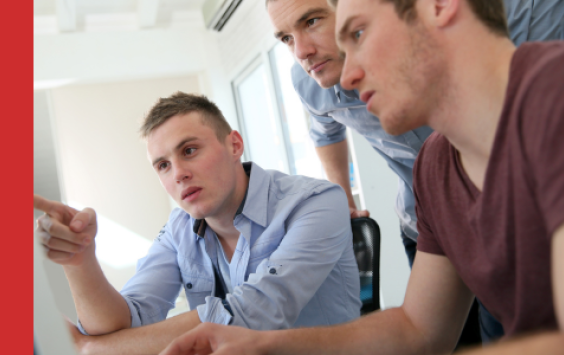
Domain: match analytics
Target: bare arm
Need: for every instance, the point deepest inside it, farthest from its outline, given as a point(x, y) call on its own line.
point(335, 160)
point(430, 321)
point(149, 339)
point(68, 236)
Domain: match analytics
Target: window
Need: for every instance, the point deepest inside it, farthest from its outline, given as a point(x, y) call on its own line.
point(258, 119)
point(274, 123)
point(302, 157)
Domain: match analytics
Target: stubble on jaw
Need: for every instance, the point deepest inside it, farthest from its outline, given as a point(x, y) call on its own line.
point(326, 84)
point(424, 70)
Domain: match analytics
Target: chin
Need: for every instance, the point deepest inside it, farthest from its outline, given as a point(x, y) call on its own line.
point(194, 212)
point(327, 83)
point(395, 124)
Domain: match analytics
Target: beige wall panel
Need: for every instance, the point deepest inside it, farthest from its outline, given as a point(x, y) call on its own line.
point(103, 160)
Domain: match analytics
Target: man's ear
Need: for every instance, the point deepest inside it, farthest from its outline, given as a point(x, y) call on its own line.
point(235, 144)
point(439, 13)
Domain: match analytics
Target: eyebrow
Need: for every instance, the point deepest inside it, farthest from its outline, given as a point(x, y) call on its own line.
point(304, 17)
point(178, 146)
point(345, 28)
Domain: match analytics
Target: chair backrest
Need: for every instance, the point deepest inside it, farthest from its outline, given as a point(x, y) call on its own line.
point(366, 245)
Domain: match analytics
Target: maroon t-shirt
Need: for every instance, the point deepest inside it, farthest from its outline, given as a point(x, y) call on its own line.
point(499, 240)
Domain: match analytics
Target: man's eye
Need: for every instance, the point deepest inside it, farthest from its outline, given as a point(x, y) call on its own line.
point(357, 34)
point(312, 21)
point(285, 39)
point(189, 151)
point(162, 165)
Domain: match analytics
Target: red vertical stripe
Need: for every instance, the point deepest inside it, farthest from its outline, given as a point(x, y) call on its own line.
point(16, 147)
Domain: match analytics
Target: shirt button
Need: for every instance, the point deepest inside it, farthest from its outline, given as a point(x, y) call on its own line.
point(189, 285)
point(272, 271)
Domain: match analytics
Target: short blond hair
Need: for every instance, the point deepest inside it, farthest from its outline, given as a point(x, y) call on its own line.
point(181, 103)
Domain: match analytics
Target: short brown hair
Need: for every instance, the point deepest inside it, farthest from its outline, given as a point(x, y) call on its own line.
point(181, 103)
point(490, 12)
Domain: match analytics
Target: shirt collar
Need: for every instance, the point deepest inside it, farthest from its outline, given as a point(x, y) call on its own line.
point(257, 194)
point(199, 225)
point(351, 94)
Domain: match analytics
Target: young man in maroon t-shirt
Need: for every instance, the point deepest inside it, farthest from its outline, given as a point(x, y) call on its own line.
point(489, 183)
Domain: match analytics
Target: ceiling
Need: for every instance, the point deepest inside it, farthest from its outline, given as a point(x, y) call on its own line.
point(55, 16)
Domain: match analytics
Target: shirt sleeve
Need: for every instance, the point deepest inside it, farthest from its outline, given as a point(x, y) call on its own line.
point(325, 130)
point(318, 233)
point(530, 20)
point(543, 131)
point(426, 240)
point(151, 292)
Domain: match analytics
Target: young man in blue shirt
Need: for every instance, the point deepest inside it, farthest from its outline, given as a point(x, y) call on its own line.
point(253, 248)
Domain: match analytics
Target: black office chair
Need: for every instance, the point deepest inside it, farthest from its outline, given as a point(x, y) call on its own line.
point(366, 245)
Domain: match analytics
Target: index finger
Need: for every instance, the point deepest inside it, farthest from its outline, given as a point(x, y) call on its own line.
point(42, 204)
point(185, 345)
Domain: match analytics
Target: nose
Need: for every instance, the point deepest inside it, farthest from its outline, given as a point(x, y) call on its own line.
point(181, 173)
point(352, 75)
point(303, 47)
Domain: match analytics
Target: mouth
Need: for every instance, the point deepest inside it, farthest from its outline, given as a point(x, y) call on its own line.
point(191, 193)
point(367, 95)
point(317, 67)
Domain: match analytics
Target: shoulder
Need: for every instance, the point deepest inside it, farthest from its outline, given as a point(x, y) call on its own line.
point(534, 104)
point(300, 79)
point(538, 65)
point(433, 160)
point(435, 147)
point(285, 186)
point(179, 223)
point(317, 100)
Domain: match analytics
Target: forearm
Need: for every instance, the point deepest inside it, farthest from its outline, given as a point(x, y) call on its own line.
point(100, 308)
point(150, 339)
point(546, 344)
point(387, 332)
point(335, 160)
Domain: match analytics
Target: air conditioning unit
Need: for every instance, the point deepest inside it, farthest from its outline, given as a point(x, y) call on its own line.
point(218, 12)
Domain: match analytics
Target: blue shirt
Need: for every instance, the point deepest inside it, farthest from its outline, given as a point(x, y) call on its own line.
point(535, 20)
point(293, 265)
point(334, 108)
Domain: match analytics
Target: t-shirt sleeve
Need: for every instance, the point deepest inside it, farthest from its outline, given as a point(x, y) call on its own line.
point(543, 132)
point(426, 241)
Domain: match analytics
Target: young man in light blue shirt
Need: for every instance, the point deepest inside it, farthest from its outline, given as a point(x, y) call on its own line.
point(253, 248)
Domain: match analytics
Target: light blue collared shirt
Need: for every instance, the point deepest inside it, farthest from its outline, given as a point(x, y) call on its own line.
point(293, 265)
point(333, 109)
point(535, 20)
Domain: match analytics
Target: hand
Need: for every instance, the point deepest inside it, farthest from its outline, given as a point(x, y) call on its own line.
point(67, 234)
point(358, 213)
point(210, 338)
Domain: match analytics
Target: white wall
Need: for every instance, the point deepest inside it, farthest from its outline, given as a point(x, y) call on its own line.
point(379, 186)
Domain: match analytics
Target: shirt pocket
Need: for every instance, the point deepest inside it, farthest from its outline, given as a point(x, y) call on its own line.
point(197, 289)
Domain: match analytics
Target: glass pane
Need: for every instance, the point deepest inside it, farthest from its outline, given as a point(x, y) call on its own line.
point(304, 160)
point(263, 140)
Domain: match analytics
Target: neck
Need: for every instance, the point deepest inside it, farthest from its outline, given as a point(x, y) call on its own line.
point(222, 224)
point(477, 84)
